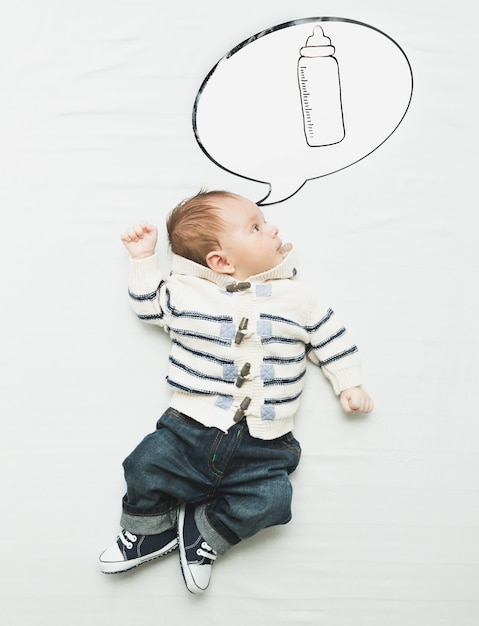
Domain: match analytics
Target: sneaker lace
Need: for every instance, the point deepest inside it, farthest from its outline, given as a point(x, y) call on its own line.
point(206, 551)
point(127, 539)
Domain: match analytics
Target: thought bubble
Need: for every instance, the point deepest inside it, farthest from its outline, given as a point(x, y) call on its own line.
point(302, 100)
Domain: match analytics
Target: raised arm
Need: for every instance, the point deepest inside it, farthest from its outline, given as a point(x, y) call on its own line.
point(140, 240)
point(145, 279)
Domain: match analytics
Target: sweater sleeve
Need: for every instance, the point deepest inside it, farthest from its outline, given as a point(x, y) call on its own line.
point(333, 350)
point(144, 285)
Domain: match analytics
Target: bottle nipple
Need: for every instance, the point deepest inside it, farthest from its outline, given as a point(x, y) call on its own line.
point(317, 45)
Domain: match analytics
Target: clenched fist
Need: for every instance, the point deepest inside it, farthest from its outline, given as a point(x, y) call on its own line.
point(140, 240)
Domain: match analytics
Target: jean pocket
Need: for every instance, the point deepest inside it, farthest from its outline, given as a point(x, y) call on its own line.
point(288, 449)
point(177, 417)
point(285, 442)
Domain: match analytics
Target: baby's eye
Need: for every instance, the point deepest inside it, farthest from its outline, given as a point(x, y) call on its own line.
point(256, 228)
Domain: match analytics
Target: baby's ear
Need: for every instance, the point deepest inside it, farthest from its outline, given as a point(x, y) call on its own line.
point(217, 261)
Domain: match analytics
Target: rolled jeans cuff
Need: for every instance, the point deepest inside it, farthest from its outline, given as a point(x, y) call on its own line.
point(211, 536)
point(148, 524)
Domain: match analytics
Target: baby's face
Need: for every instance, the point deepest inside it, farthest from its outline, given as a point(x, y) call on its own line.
point(251, 244)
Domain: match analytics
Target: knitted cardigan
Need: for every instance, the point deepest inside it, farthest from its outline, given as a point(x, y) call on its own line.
point(239, 349)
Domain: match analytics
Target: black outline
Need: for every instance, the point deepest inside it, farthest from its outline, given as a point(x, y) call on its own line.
point(268, 31)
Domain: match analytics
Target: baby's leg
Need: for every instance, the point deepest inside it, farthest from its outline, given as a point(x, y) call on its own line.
point(254, 492)
point(159, 475)
point(161, 472)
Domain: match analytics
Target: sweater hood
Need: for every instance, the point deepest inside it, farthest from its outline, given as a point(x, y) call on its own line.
point(285, 269)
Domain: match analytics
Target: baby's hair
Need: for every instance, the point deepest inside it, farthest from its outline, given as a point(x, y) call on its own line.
point(193, 225)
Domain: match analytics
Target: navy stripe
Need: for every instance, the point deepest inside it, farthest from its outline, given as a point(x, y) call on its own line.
point(196, 373)
point(284, 381)
point(210, 338)
point(203, 355)
point(282, 400)
point(203, 392)
point(318, 346)
point(145, 318)
point(283, 360)
point(276, 339)
point(322, 321)
point(277, 318)
point(143, 296)
point(338, 356)
point(195, 314)
point(309, 329)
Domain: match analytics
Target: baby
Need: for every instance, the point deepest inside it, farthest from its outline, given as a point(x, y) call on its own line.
point(216, 469)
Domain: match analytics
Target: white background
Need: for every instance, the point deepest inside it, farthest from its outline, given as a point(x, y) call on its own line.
point(95, 132)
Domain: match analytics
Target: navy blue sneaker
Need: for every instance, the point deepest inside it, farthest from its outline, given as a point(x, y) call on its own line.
point(131, 550)
point(196, 556)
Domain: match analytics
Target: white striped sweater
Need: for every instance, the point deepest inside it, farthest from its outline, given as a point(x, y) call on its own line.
point(284, 322)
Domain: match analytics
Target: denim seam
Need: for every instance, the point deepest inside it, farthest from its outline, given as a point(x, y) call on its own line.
point(238, 436)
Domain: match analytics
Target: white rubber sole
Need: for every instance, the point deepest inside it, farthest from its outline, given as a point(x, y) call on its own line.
point(116, 567)
point(193, 585)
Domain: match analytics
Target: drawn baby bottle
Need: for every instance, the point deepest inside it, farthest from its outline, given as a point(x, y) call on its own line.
point(320, 88)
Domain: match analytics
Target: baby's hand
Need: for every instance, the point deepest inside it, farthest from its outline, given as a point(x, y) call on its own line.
point(354, 400)
point(140, 240)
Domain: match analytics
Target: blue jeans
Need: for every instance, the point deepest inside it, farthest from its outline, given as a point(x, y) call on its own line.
point(238, 483)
